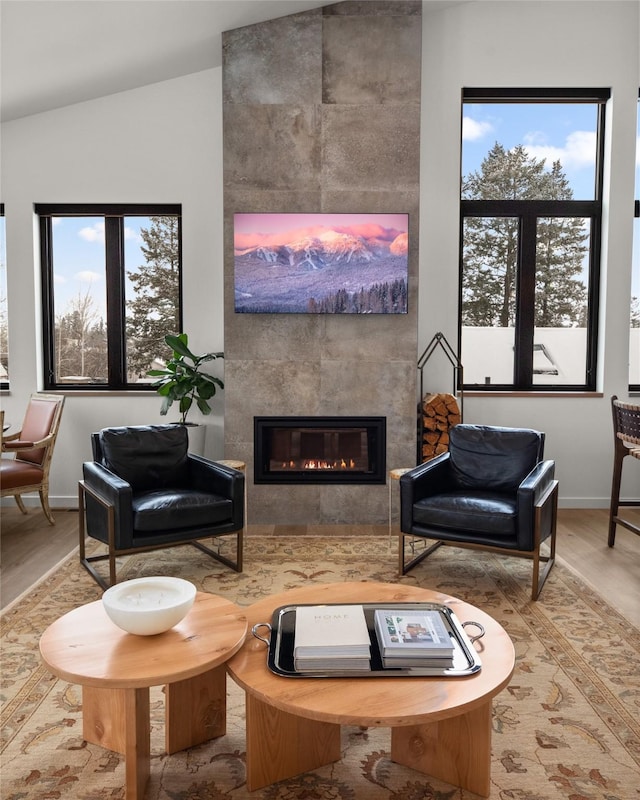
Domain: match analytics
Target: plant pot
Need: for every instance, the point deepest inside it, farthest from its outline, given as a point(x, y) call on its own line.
point(197, 436)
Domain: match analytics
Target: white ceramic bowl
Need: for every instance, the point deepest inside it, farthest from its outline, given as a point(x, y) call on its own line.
point(146, 606)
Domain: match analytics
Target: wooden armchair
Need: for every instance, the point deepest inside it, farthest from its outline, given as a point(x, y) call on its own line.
point(32, 448)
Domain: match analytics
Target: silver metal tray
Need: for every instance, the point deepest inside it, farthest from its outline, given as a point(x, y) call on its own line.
point(281, 632)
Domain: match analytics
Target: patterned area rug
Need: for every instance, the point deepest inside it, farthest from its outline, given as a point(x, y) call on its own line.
point(565, 728)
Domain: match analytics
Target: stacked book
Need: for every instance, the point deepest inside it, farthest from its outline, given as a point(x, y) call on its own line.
point(413, 638)
point(331, 639)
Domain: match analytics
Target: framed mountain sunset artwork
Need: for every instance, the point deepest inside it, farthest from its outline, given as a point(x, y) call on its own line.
point(320, 263)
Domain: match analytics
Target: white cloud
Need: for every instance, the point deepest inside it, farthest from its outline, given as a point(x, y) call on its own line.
point(93, 234)
point(59, 279)
point(473, 129)
point(87, 276)
point(579, 149)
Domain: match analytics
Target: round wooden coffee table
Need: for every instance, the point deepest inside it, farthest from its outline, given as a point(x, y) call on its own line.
point(116, 669)
point(439, 726)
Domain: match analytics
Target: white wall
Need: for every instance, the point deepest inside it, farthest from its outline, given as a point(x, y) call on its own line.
point(534, 44)
point(160, 144)
point(163, 143)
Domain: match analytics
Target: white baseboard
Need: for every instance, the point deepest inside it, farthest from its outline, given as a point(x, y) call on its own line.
point(33, 501)
point(583, 502)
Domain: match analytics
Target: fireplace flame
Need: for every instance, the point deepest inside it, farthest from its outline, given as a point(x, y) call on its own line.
point(321, 464)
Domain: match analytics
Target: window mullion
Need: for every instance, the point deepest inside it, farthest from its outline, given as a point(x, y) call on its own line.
point(114, 257)
point(525, 304)
point(594, 300)
point(48, 317)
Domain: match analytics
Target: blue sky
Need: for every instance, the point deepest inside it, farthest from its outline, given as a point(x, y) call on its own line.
point(81, 240)
point(564, 132)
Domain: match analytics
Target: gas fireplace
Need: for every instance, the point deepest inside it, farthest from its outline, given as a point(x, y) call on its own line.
point(320, 449)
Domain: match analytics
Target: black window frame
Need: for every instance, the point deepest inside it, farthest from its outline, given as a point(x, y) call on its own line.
point(528, 212)
point(114, 215)
point(5, 385)
point(635, 387)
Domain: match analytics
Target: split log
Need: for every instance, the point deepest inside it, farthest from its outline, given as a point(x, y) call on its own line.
point(440, 412)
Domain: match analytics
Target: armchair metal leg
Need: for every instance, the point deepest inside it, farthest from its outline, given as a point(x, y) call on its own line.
point(85, 560)
point(235, 565)
point(548, 504)
point(405, 566)
point(539, 576)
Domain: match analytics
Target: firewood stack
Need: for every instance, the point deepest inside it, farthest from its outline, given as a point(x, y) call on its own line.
point(440, 412)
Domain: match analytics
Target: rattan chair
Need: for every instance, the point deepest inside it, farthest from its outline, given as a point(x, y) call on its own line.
point(626, 442)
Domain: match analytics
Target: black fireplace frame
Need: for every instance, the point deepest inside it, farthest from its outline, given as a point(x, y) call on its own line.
point(377, 447)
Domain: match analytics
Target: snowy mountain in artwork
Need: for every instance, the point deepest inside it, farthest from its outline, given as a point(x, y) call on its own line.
point(320, 269)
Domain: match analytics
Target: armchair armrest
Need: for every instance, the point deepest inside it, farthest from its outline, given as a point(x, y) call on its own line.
point(425, 480)
point(210, 476)
point(533, 489)
point(114, 492)
point(429, 478)
point(15, 443)
point(538, 480)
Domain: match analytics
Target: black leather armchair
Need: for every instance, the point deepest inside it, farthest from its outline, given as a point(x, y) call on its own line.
point(491, 490)
point(144, 491)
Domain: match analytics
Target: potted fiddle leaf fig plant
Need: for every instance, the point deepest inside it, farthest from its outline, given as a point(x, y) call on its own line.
point(182, 380)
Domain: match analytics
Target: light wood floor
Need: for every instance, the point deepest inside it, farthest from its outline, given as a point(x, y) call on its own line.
point(30, 547)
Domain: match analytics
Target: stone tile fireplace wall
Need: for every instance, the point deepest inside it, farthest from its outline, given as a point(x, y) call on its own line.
point(322, 113)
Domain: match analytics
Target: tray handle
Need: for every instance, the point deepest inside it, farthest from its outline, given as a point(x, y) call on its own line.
point(259, 625)
point(472, 639)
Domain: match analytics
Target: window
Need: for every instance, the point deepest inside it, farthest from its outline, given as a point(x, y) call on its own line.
point(111, 290)
point(531, 204)
point(634, 332)
point(4, 333)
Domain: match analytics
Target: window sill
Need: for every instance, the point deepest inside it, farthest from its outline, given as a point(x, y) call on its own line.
point(533, 394)
point(81, 392)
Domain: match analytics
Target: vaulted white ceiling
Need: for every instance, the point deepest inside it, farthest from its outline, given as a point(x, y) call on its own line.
point(58, 52)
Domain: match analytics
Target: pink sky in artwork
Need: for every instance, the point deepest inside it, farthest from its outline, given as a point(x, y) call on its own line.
point(272, 230)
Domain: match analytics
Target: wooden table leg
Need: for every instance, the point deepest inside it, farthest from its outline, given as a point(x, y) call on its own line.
point(118, 719)
point(103, 717)
point(138, 742)
point(281, 745)
point(456, 750)
point(196, 710)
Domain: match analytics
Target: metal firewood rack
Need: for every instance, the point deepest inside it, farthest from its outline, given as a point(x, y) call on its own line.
point(439, 341)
